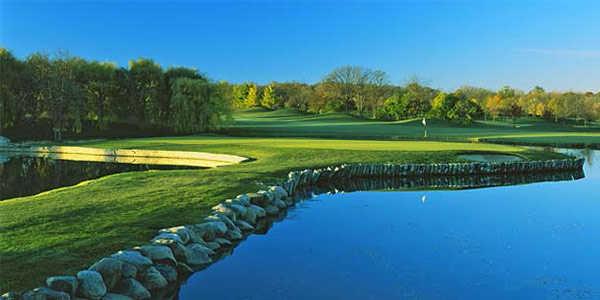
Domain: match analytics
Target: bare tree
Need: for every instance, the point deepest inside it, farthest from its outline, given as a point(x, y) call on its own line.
point(354, 86)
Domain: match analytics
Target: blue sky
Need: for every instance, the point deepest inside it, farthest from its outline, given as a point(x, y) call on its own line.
point(555, 44)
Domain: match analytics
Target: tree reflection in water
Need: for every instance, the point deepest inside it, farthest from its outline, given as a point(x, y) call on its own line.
point(23, 176)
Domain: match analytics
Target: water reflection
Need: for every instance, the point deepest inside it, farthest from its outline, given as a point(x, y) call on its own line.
point(435, 182)
point(24, 176)
point(588, 154)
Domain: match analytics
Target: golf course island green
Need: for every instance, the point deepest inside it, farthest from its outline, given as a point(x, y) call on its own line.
point(67, 229)
point(524, 131)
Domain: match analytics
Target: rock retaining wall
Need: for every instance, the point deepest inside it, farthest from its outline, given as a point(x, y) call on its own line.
point(154, 270)
point(313, 176)
point(432, 182)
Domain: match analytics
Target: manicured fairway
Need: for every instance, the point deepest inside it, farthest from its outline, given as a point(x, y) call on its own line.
point(64, 230)
point(287, 123)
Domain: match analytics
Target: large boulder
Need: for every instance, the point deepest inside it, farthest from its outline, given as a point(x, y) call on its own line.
point(91, 285)
point(278, 192)
point(218, 217)
point(184, 269)
point(43, 293)
point(223, 242)
point(168, 236)
point(196, 236)
point(181, 231)
point(244, 226)
point(213, 245)
point(244, 199)
point(259, 211)
point(233, 231)
point(177, 248)
point(236, 201)
point(168, 272)
point(223, 209)
point(258, 199)
point(134, 258)
point(211, 229)
point(272, 210)
point(152, 279)
point(158, 253)
point(234, 235)
point(239, 210)
point(67, 284)
point(112, 296)
point(128, 271)
point(197, 255)
point(132, 288)
point(280, 204)
point(110, 269)
point(264, 198)
point(250, 216)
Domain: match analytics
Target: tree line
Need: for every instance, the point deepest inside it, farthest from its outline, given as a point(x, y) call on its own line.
point(53, 97)
point(369, 94)
point(62, 96)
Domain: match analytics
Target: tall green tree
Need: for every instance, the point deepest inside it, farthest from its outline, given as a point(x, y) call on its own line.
point(147, 78)
point(239, 95)
point(414, 105)
point(67, 97)
point(295, 95)
point(37, 105)
point(13, 86)
point(464, 111)
point(170, 75)
point(268, 97)
point(590, 108)
point(251, 99)
point(480, 95)
point(559, 105)
point(442, 104)
point(197, 105)
point(101, 93)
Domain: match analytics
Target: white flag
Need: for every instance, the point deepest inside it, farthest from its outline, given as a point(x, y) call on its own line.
point(424, 122)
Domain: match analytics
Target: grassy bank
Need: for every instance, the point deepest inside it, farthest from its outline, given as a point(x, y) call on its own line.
point(290, 123)
point(64, 230)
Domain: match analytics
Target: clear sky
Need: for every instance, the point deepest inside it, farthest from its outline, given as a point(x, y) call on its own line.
point(555, 44)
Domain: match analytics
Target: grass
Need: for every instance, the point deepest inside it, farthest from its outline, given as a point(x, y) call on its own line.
point(289, 123)
point(67, 229)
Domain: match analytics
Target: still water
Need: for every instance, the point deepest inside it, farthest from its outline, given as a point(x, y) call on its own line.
point(23, 175)
point(533, 241)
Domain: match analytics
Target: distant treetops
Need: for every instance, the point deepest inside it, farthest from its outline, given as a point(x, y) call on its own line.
point(60, 96)
point(368, 94)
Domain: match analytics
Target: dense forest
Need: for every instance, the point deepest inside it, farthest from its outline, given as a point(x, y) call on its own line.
point(62, 96)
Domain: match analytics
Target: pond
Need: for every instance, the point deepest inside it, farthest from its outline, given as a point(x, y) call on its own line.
point(26, 175)
point(531, 241)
